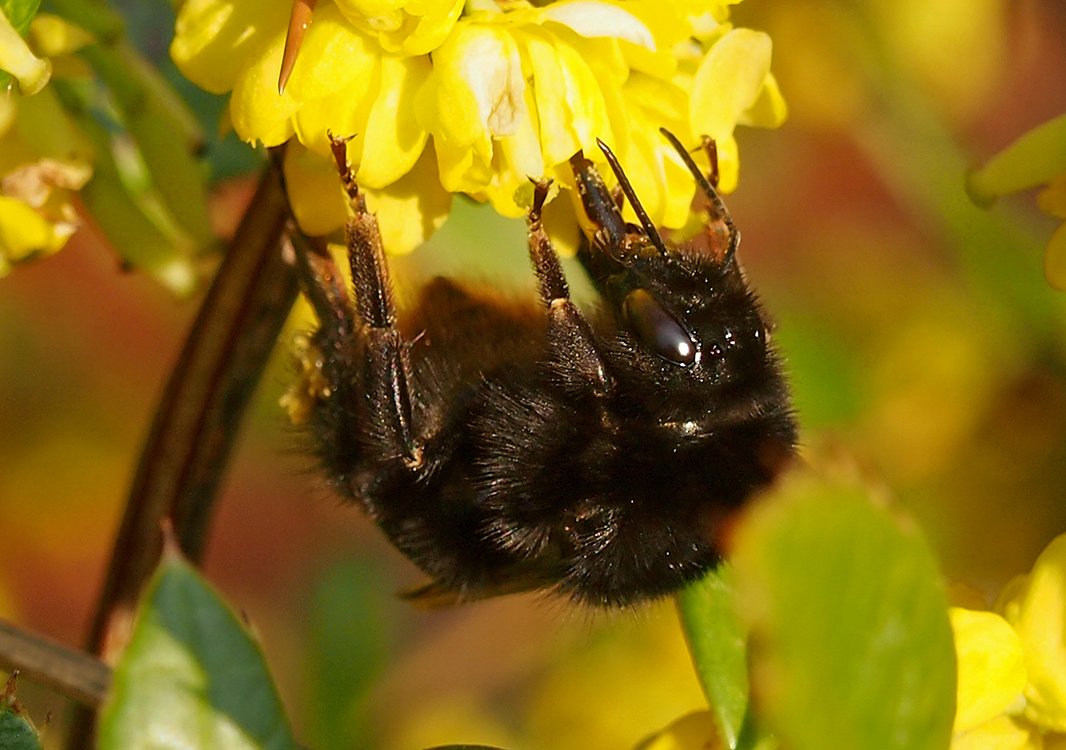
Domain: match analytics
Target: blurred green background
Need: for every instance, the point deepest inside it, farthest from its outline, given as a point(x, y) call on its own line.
point(923, 344)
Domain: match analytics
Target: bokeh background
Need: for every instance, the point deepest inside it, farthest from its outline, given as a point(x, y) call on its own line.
point(924, 345)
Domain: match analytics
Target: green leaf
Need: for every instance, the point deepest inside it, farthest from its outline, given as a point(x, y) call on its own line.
point(718, 643)
point(850, 640)
point(133, 231)
point(191, 676)
point(19, 13)
point(16, 731)
point(166, 134)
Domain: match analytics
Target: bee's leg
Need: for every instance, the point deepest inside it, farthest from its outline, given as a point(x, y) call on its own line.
point(569, 335)
point(386, 368)
point(603, 207)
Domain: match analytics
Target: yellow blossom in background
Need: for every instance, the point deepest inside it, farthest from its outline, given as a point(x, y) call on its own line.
point(447, 98)
point(1012, 663)
point(1037, 158)
point(42, 156)
point(31, 73)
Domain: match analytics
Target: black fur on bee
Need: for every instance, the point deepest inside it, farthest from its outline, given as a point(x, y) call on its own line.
point(521, 445)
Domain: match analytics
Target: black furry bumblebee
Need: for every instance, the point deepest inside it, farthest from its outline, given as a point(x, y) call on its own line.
point(527, 445)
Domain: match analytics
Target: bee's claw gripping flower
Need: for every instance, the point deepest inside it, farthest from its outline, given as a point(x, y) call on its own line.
point(494, 92)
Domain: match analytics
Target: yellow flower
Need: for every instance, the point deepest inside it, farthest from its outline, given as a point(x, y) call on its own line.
point(410, 28)
point(1036, 608)
point(30, 71)
point(1036, 158)
point(991, 668)
point(1012, 665)
point(43, 158)
point(478, 99)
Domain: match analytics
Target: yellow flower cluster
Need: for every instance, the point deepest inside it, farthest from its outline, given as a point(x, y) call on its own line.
point(42, 157)
point(1037, 158)
point(449, 97)
point(1012, 663)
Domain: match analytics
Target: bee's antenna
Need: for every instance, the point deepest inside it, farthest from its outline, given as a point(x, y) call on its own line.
point(642, 215)
point(717, 206)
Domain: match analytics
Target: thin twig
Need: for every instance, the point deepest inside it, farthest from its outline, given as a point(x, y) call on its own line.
point(68, 671)
point(198, 417)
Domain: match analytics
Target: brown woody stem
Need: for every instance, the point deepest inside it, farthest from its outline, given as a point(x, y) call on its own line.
point(198, 417)
point(68, 671)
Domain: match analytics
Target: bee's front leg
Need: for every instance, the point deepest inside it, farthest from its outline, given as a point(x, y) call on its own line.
point(386, 369)
point(573, 346)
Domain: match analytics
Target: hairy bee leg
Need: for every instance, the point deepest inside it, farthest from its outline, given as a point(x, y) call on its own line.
point(569, 335)
point(387, 369)
point(546, 264)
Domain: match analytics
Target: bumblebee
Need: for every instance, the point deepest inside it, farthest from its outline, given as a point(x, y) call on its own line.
point(527, 444)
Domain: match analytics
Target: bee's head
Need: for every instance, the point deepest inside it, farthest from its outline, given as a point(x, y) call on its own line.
point(686, 319)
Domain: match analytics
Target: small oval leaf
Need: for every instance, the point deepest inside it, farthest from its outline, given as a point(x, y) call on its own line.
point(191, 675)
point(16, 730)
point(851, 644)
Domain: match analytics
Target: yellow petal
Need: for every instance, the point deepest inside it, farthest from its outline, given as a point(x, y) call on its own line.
point(590, 18)
point(991, 667)
point(31, 72)
point(694, 731)
point(333, 56)
point(25, 233)
point(394, 140)
point(408, 210)
point(557, 142)
point(1033, 159)
point(54, 36)
point(476, 90)
point(769, 109)
point(344, 112)
point(376, 13)
point(1001, 733)
point(215, 39)
point(462, 169)
point(412, 208)
point(584, 100)
point(517, 158)
point(729, 81)
point(315, 193)
point(1038, 614)
point(258, 112)
point(425, 26)
point(571, 108)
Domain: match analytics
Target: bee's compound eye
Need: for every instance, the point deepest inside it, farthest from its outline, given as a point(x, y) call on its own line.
point(657, 329)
